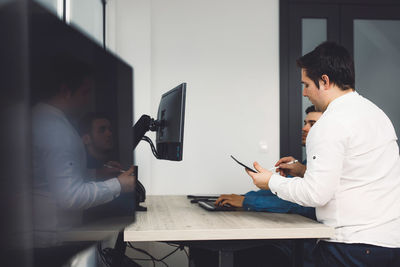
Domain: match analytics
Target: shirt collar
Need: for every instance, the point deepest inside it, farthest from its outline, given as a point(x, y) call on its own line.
point(51, 108)
point(341, 99)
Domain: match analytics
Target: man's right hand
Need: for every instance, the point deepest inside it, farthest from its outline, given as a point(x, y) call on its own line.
point(296, 169)
point(127, 180)
point(233, 200)
point(109, 170)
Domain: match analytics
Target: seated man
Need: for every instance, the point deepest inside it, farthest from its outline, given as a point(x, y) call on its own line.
point(97, 136)
point(264, 200)
point(96, 133)
point(95, 130)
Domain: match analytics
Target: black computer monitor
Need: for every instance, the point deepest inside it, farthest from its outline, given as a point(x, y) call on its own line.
point(171, 117)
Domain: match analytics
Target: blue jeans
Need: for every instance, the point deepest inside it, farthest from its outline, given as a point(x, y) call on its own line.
point(330, 254)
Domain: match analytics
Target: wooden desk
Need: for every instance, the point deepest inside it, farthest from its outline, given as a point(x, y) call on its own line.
point(174, 218)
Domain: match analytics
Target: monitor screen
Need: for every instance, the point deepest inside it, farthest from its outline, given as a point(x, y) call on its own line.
point(171, 116)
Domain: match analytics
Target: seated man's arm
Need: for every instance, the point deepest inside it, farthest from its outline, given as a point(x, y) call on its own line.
point(264, 200)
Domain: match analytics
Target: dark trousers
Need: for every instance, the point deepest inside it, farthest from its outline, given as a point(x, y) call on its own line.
point(330, 254)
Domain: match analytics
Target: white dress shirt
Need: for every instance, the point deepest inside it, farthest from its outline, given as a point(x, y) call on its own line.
point(62, 188)
point(353, 173)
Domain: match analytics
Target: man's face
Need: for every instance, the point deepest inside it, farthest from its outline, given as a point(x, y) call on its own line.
point(309, 121)
point(101, 138)
point(315, 95)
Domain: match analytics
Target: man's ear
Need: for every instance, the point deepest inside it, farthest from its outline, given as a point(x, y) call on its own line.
point(86, 139)
point(324, 82)
point(65, 91)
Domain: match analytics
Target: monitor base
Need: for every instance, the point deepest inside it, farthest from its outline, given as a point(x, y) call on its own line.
point(141, 208)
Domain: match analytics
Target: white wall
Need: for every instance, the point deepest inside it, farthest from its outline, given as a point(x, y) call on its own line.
point(227, 51)
point(87, 16)
point(129, 36)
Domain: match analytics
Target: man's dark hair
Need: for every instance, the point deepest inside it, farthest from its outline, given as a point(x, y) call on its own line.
point(85, 123)
point(332, 60)
point(311, 109)
point(61, 70)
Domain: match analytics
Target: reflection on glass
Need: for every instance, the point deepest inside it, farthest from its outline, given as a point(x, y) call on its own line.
point(314, 32)
point(376, 58)
point(68, 79)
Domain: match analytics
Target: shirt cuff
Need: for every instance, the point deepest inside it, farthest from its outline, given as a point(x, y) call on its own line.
point(274, 183)
point(114, 186)
point(245, 203)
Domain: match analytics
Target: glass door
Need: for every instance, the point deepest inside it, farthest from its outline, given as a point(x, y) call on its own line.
point(309, 25)
point(373, 36)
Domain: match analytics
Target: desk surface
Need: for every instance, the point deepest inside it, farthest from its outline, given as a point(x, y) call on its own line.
point(174, 218)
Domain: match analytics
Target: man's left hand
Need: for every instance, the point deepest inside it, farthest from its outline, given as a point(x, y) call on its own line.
point(261, 178)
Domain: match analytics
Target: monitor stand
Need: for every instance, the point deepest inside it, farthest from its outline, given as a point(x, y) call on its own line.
point(141, 127)
point(140, 192)
point(140, 196)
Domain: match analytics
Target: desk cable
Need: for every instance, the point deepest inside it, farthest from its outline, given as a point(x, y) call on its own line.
point(109, 256)
point(153, 259)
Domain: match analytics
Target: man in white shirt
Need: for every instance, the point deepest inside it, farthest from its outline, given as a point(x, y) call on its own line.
point(353, 167)
point(61, 183)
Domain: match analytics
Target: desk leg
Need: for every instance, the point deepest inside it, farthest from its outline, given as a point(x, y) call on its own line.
point(297, 258)
point(202, 257)
point(225, 258)
point(192, 257)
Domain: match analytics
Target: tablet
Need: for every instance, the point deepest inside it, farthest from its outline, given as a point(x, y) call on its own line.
point(246, 167)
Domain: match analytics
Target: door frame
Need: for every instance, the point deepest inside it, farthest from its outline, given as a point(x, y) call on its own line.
point(351, 12)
